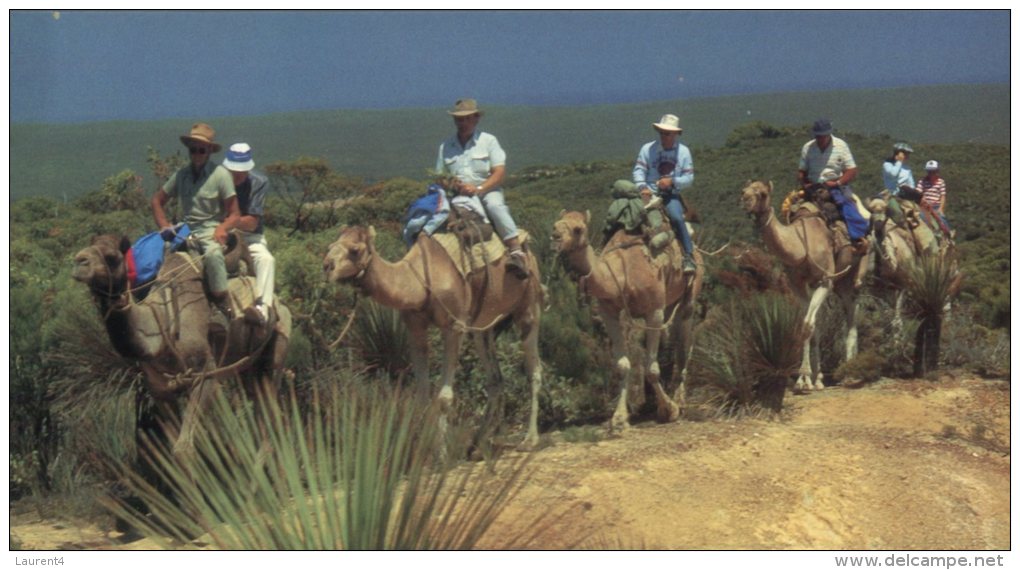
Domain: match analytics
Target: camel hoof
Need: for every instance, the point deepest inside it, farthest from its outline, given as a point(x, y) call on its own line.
point(530, 443)
point(668, 412)
point(819, 385)
point(619, 424)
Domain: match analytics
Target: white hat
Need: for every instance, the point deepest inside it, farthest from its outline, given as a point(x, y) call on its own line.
point(239, 158)
point(669, 123)
point(932, 165)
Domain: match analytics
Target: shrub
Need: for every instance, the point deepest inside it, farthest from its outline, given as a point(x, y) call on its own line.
point(357, 471)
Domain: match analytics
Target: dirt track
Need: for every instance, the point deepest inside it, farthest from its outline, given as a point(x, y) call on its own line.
point(893, 465)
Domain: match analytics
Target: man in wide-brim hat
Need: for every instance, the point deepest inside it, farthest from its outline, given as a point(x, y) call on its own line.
point(209, 205)
point(664, 167)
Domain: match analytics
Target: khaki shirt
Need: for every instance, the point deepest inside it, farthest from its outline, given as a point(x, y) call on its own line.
point(202, 197)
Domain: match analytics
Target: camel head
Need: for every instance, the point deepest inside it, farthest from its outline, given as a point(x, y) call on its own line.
point(754, 198)
point(349, 256)
point(101, 265)
point(570, 232)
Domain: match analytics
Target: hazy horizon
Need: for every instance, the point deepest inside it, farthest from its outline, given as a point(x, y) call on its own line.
point(71, 66)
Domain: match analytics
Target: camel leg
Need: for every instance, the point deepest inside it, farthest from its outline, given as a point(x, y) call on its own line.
point(417, 335)
point(451, 352)
point(807, 366)
point(850, 307)
point(897, 322)
point(619, 352)
point(667, 409)
point(683, 330)
point(485, 347)
point(533, 369)
point(198, 400)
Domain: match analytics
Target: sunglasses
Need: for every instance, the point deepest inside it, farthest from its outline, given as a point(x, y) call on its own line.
point(197, 150)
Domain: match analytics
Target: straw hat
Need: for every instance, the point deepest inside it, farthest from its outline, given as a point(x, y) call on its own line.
point(202, 132)
point(465, 108)
point(669, 123)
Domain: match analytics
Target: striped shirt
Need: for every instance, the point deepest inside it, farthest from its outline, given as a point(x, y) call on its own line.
point(932, 193)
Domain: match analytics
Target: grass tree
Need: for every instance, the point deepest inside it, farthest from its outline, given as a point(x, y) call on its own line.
point(357, 470)
point(932, 284)
point(749, 348)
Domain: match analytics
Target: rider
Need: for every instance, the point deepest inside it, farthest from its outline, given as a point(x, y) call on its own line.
point(826, 152)
point(478, 163)
point(209, 203)
point(252, 187)
point(665, 167)
point(898, 181)
point(933, 196)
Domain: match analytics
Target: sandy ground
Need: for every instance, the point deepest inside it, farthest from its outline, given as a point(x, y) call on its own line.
point(893, 465)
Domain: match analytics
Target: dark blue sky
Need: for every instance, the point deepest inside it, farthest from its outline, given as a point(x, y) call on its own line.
point(98, 65)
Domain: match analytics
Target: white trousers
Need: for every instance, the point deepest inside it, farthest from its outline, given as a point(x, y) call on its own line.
point(265, 266)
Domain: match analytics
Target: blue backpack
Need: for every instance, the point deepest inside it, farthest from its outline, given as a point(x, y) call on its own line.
point(146, 255)
point(422, 211)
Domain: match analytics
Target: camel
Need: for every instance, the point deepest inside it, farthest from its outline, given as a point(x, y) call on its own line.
point(171, 336)
point(898, 252)
point(814, 267)
point(627, 284)
point(428, 290)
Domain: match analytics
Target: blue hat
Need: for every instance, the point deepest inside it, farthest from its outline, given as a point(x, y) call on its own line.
point(822, 127)
point(239, 158)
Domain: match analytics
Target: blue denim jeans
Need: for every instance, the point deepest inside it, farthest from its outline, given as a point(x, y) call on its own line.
point(675, 211)
point(499, 213)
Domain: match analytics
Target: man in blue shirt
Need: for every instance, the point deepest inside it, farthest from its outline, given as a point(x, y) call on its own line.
point(665, 167)
point(252, 187)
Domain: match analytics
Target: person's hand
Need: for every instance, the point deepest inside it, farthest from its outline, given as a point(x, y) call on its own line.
point(168, 233)
point(220, 234)
point(900, 156)
point(832, 183)
point(665, 183)
point(468, 189)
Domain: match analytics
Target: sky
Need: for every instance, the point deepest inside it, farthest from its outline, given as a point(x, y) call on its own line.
point(79, 66)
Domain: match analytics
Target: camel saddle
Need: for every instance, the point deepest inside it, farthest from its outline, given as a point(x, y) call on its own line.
point(479, 255)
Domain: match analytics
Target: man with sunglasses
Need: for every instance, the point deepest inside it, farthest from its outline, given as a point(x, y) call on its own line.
point(209, 204)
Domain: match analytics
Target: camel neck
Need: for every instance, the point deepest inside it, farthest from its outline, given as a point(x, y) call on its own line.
point(399, 285)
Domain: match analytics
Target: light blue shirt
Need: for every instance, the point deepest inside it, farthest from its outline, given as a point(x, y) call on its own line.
point(654, 162)
point(473, 162)
point(895, 175)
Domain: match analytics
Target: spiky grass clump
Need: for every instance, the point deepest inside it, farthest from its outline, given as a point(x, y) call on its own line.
point(381, 340)
point(749, 348)
point(931, 285)
point(359, 470)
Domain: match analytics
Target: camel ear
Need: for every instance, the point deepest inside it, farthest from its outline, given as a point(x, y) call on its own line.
point(371, 232)
point(125, 244)
point(770, 186)
point(587, 216)
point(560, 215)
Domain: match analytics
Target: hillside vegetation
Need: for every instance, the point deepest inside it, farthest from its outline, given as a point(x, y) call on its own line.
point(71, 395)
point(66, 160)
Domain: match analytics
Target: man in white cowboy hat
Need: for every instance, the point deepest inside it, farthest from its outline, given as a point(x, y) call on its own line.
point(665, 167)
point(252, 187)
point(209, 203)
point(478, 163)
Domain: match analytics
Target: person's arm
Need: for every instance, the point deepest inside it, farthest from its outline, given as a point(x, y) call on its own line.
point(250, 217)
point(493, 181)
point(640, 173)
point(802, 179)
point(159, 200)
point(848, 176)
point(683, 175)
point(229, 222)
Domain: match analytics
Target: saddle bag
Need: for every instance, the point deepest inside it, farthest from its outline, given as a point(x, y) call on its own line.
point(468, 226)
